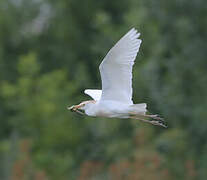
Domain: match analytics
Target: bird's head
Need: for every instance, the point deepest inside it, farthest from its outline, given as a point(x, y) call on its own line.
point(86, 104)
point(82, 106)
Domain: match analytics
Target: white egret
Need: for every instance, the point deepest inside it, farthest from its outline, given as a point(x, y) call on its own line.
point(115, 98)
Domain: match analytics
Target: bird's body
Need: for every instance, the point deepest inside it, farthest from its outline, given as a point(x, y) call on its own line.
point(114, 109)
point(115, 98)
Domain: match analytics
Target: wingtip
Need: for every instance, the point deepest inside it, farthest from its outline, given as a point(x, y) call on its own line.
point(133, 32)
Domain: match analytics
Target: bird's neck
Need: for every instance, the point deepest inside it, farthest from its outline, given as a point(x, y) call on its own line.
point(91, 109)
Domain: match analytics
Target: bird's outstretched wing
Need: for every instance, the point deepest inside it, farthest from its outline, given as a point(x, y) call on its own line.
point(116, 68)
point(94, 93)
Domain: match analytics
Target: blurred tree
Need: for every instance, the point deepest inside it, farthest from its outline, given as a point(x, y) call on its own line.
point(50, 51)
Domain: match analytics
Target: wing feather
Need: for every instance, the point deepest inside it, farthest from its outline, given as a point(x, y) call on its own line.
point(116, 68)
point(94, 93)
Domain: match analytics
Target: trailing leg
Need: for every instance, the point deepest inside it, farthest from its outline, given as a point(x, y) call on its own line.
point(158, 121)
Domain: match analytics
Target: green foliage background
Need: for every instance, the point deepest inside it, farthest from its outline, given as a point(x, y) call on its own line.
point(50, 52)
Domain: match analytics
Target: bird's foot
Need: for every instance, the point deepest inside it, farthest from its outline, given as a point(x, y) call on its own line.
point(157, 121)
point(154, 116)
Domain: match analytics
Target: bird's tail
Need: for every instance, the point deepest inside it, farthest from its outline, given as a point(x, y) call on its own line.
point(139, 108)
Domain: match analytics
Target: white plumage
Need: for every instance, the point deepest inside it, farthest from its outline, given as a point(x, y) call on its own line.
point(94, 93)
point(115, 98)
point(116, 69)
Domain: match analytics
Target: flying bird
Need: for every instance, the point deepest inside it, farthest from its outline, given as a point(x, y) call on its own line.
point(115, 98)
